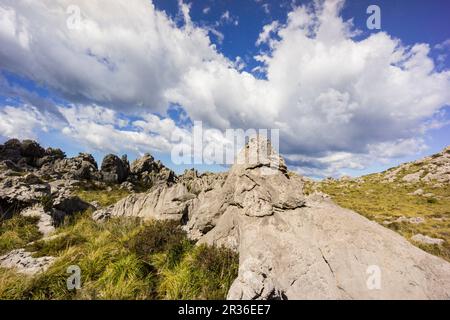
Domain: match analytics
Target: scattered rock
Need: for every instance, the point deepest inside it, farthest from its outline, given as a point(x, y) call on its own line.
point(418, 192)
point(433, 170)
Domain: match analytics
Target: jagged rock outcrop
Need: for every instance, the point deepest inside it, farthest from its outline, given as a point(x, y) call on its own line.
point(81, 167)
point(51, 155)
point(20, 193)
point(197, 183)
point(10, 150)
point(52, 164)
point(257, 185)
point(23, 262)
point(434, 169)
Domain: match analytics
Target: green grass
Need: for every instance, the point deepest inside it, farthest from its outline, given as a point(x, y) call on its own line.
point(125, 259)
point(203, 273)
point(388, 201)
point(17, 232)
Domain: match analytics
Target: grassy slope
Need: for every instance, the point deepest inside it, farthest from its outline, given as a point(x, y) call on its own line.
point(17, 232)
point(382, 202)
point(125, 259)
point(119, 259)
point(102, 197)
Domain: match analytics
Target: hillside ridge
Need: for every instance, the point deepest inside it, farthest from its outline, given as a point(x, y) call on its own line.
point(293, 241)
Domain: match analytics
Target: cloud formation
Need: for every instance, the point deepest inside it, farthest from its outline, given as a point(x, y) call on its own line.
point(338, 102)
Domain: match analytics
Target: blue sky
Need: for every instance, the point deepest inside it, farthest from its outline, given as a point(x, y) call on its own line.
point(124, 78)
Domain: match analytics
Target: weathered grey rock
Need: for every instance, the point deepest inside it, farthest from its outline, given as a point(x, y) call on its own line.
point(161, 203)
point(146, 163)
point(113, 170)
point(257, 185)
point(23, 191)
point(413, 177)
point(147, 172)
point(413, 220)
point(418, 192)
point(313, 249)
point(324, 252)
point(69, 203)
point(426, 239)
point(50, 156)
point(82, 167)
point(9, 165)
point(24, 154)
point(23, 262)
point(31, 149)
point(45, 223)
point(197, 183)
point(127, 186)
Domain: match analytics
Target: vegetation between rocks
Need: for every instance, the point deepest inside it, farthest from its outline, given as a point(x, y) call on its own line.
point(385, 202)
point(17, 232)
point(125, 259)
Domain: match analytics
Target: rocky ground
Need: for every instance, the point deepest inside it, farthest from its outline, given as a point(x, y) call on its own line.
point(412, 199)
point(293, 241)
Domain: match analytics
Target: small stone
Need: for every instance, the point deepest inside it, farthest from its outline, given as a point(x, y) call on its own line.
point(426, 239)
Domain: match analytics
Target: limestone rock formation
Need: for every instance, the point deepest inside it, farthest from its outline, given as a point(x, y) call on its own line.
point(322, 251)
point(290, 246)
point(81, 167)
point(432, 169)
point(23, 262)
point(17, 157)
point(45, 224)
point(160, 203)
point(22, 191)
